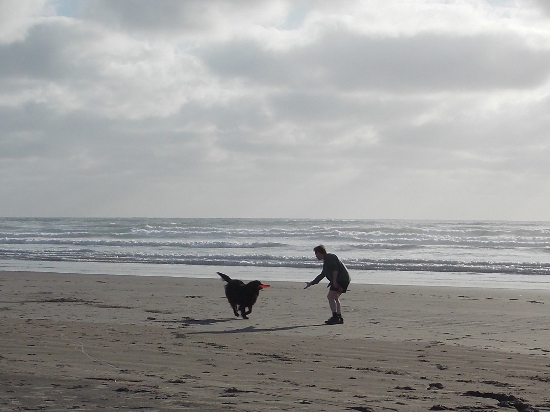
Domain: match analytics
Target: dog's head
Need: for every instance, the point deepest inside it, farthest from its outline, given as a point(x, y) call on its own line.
point(256, 285)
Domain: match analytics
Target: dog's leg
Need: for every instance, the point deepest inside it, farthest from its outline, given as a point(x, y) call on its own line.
point(249, 311)
point(234, 307)
point(243, 312)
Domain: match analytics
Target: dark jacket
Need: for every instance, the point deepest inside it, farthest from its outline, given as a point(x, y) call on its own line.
point(331, 262)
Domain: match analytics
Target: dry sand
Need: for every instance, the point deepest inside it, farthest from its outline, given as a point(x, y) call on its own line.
point(91, 342)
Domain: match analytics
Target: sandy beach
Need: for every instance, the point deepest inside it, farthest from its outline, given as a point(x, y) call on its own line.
point(98, 342)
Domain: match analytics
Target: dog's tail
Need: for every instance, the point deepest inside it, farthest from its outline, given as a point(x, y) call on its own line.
point(224, 276)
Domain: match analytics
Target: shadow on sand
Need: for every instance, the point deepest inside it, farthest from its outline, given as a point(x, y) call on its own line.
point(191, 321)
point(252, 329)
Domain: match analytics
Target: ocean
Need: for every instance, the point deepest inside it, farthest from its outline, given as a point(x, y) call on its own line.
point(397, 252)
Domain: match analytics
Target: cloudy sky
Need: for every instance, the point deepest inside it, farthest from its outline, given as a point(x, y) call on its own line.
point(409, 109)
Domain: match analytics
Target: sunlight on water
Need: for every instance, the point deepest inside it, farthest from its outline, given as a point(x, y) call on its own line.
point(491, 254)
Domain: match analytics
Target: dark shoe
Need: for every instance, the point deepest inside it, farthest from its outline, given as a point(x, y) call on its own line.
point(340, 320)
point(332, 321)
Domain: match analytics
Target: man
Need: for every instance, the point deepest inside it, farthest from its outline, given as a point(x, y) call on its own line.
point(337, 274)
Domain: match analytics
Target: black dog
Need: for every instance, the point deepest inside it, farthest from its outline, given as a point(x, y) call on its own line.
point(242, 296)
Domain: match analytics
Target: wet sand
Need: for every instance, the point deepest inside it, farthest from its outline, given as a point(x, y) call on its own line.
point(97, 342)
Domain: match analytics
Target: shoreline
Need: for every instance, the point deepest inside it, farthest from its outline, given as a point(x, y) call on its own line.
point(169, 343)
point(278, 274)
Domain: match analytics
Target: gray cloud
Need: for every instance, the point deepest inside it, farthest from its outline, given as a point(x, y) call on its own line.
point(426, 62)
point(184, 17)
point(544, 5)
point(139, 15)
point(215, 109)
point(46, 53)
